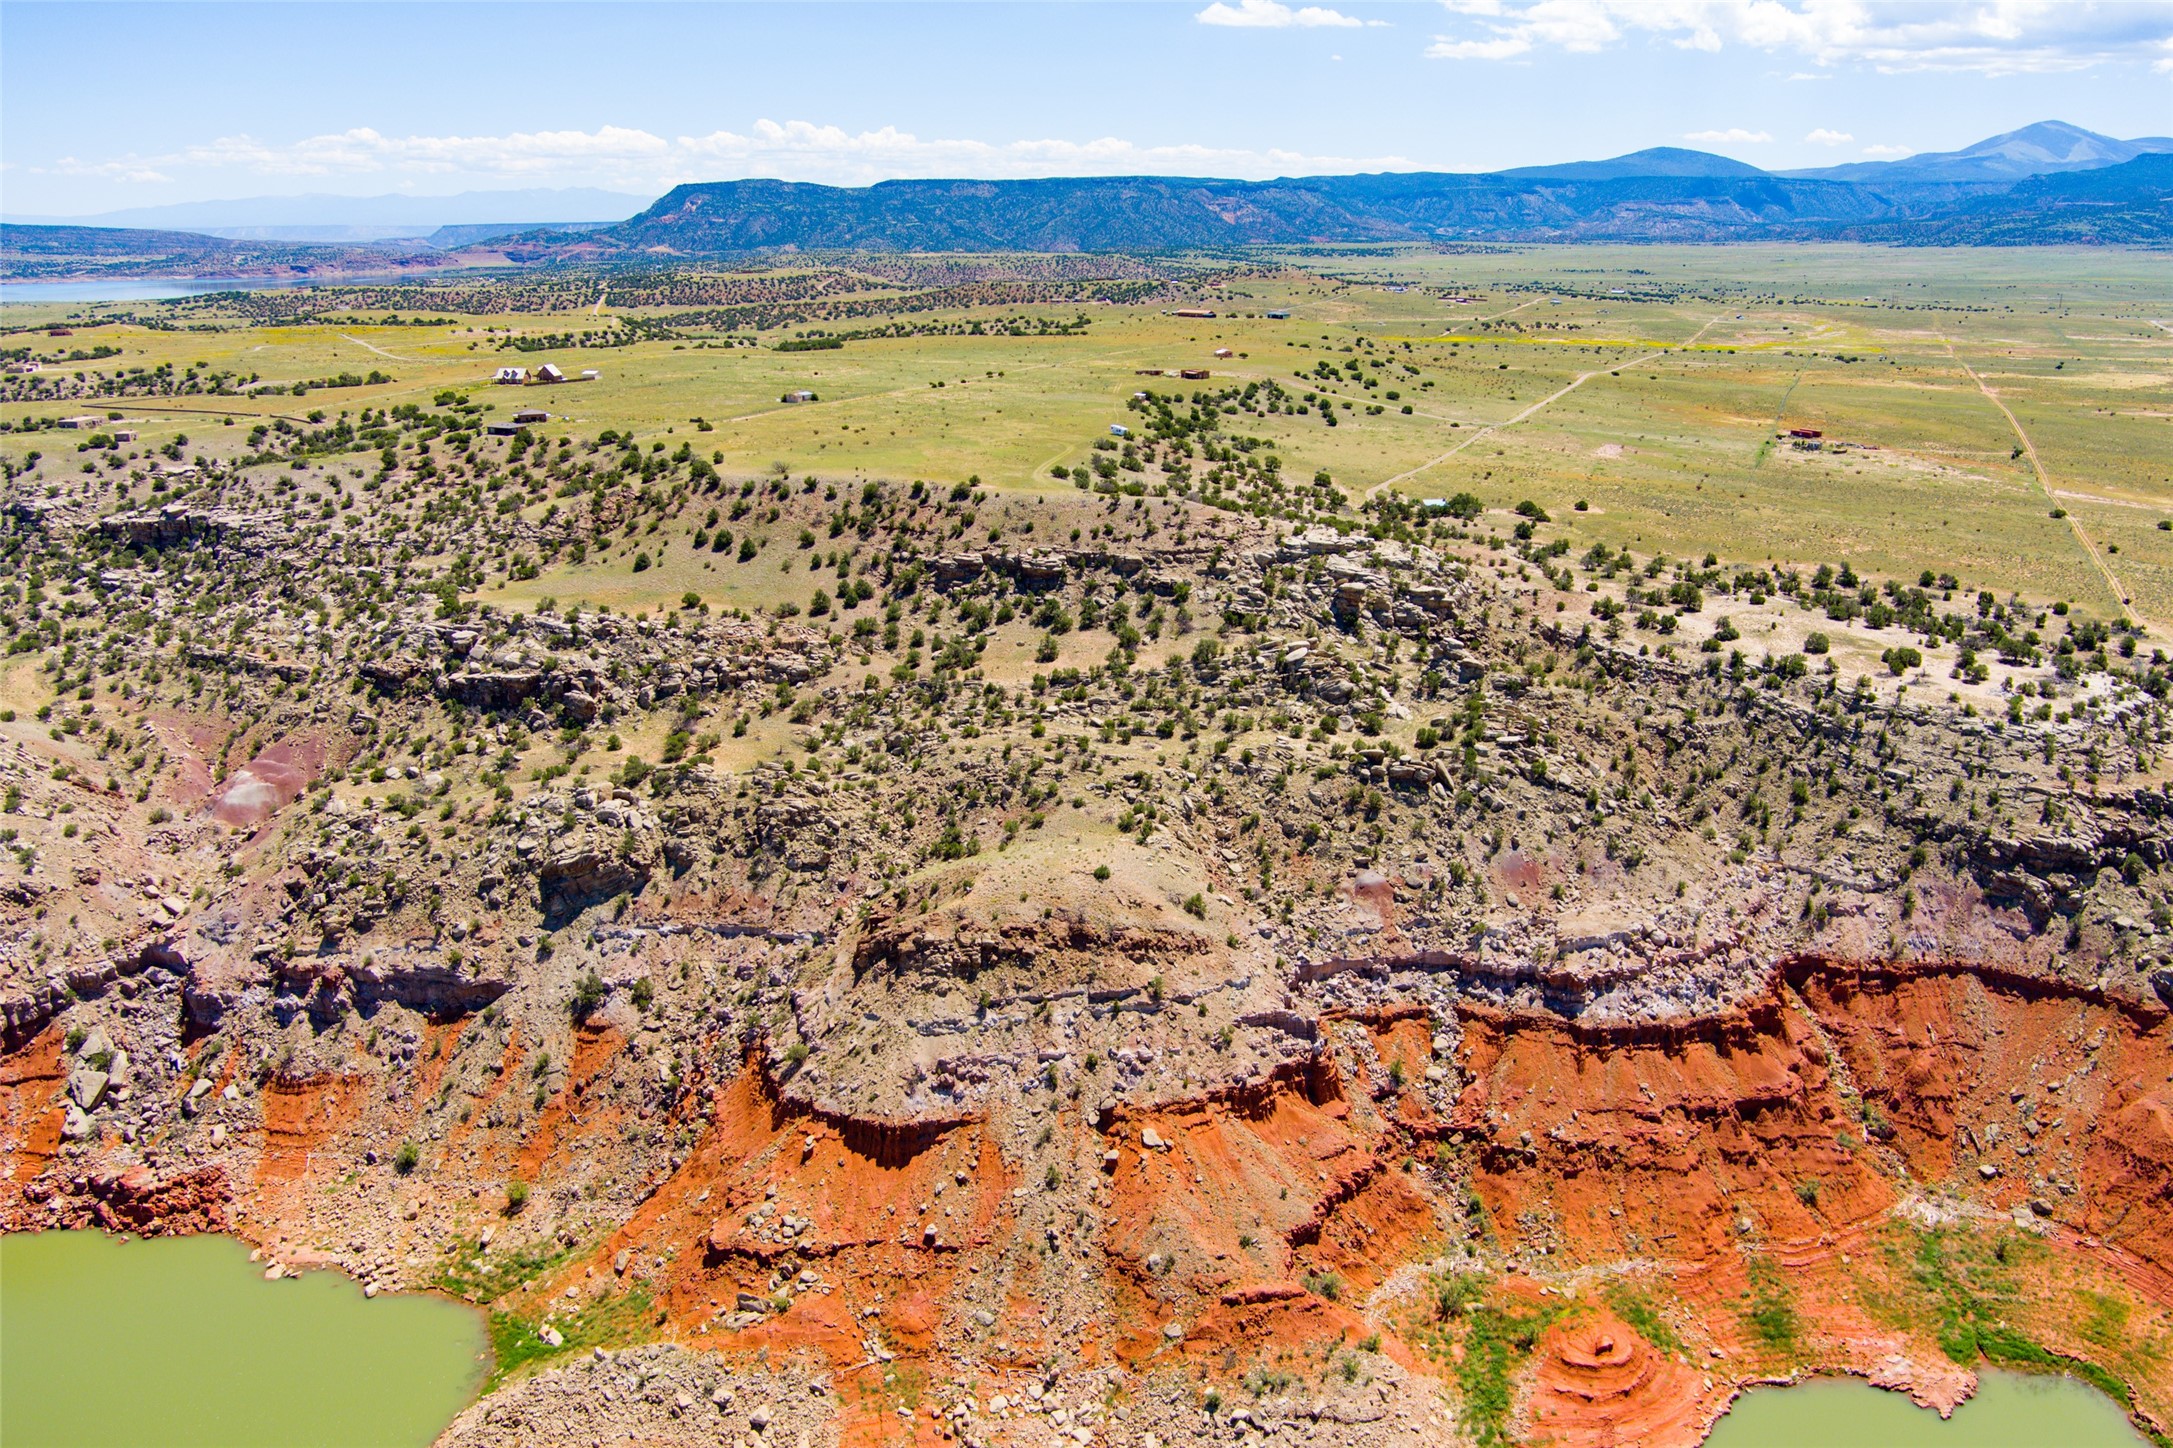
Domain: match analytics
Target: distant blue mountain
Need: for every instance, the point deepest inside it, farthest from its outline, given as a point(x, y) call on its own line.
point(1162, 213)
point(1655, 161)
point(2050, 182)
point(2042, 149)
point(1665, 193)
point(2126, 205)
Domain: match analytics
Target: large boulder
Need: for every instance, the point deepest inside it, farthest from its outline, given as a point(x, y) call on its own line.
point(593, 862)
point(427, 982)
point(87, 1087)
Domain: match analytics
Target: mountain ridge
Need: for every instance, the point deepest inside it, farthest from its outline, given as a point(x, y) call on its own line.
point(1652, 161)
point(2041, 148)
point(1661, 194)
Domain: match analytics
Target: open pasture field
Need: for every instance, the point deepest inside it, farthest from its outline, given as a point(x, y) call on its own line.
point(1633, 394)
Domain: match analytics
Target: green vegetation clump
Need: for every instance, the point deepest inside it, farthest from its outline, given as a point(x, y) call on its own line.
point(1497, 1338)
point(475, 1275)
point(1638, 1309)
point(1769, 1308)
point(617, 1320)
point(1967, 1291)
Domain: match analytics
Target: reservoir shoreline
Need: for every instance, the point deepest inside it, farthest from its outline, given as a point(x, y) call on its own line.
point(197, 1347)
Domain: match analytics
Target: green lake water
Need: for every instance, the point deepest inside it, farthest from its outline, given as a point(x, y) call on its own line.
point(181, 1343)
point(2010, 1410)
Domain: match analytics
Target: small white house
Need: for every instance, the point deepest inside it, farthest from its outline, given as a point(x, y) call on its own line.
point(1118, 429)
point(590, 374)
point(511, 376)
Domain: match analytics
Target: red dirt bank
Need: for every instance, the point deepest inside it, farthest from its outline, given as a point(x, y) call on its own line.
point(1683, 1147)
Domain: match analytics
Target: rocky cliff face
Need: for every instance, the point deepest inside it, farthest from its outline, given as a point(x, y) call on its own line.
point(1417, 1014)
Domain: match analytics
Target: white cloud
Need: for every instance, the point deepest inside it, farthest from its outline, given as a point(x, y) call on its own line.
point(1888, 153)
point(1991, 37)
point(1503, 48)
point(1824, 137)
point(1577, 25)
point(365, 150)
point(1733, 136)
point(624, 157)
point(1272, 15)
point(129, 169)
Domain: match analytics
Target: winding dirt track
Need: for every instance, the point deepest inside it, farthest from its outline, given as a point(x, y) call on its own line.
point(1493, 427)
point(373, 347)
point(2044, 484)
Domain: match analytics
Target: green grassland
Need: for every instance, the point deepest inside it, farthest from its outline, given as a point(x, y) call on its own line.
point(1660, 375)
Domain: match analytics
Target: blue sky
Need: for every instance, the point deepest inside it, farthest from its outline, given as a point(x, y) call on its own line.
point(106, 105)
